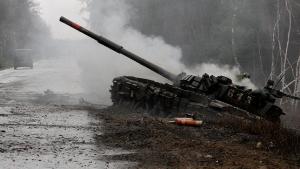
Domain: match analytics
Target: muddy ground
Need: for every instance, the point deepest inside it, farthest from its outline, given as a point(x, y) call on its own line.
point(46, 123)
point(155, 143)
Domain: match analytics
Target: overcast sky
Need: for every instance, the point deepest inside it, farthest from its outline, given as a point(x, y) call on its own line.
point(51, 10)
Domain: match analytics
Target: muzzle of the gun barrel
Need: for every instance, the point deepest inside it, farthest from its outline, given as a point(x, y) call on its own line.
point(70, 23)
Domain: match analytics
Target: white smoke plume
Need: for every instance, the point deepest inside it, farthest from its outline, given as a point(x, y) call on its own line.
point(100, 65)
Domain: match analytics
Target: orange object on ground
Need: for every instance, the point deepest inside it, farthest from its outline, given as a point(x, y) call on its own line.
point(188, 122)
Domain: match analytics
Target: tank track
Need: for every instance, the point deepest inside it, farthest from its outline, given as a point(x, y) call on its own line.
point(168, 100)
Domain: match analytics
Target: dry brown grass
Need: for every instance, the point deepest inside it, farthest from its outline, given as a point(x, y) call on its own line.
point(158, 144)
point(275, 136)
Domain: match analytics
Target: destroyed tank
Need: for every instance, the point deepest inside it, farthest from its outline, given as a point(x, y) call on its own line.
point(206, 94)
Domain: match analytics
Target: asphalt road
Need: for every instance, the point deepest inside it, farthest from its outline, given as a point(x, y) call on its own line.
point(36, 131)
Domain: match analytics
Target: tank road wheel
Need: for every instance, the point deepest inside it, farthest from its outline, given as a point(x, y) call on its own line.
point(154, 98)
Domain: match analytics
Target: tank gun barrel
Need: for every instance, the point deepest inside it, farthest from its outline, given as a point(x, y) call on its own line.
point(119, 49)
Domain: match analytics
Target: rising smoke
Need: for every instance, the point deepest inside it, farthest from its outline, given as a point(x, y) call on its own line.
point(99, 66)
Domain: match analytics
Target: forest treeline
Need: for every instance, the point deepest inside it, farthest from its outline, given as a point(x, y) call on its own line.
point(20, 27)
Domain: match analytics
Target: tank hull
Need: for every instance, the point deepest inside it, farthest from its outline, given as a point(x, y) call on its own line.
point(168, 100)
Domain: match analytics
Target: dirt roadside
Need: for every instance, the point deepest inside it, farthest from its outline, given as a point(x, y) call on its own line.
point(158, 144)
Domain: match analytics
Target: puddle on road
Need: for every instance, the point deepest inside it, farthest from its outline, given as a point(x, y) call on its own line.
point(60, 139)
